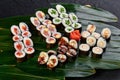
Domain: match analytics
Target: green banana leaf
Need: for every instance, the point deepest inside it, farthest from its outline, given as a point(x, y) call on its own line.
point(30, 69)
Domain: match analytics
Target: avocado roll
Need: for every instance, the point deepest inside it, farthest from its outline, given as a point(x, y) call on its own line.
point(84, 50)
point(97, 52)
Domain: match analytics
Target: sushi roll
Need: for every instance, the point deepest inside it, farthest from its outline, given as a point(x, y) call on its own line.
point(40, 15)
point(62, 58)
point(29, 51)
point(26, 34)
point(96, 35)
point(68, 30)
point(35, 21)
point(19, 46)
point(43, 58)
point(20, 56)
point(23, 26)
point(45, 32)
point(77, 26)
point(52, 62)
point(60, 9)
point(51, 52)
point(52, 28)
point(106, 33)
point(28, 42)
point(39, 28)
point(57, 35)
point(84, 50)
point(71, 54)
point(66, 22)
point(62, 49)
point(91, 28)
point(46, 22)
point(91, 41)
point(97, 52)
point(73, 17)
point(102, 43)
point(84, 36)
point(15, 30)
point(63, 41)
point(57, 21)
point(73, 44)
point(63, 15)
point(50, 42)
point(17, 38)
point(52, 12)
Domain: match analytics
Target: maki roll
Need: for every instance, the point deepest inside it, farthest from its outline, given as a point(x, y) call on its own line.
point(68, 30)
point(77, 26)
point(71, 54)
point(43, 58)
point(46, 22)
point(91, 41)
point(28, 42)
point(96, 35)
point(73, 44)
point(45, 32)
point(40, 15)
point(62, 49)
point(20, 56)
point(15, 30)
point(63, 15)
point(102, 43)
point(23, 26)
point(35, 21)
point(84, 49)
point(52, 62)
point(91, 28)
point(17, 38)
point(57, 21)
point(73, 17)
point(52, 28)
point(18, 46)
point(57, 35)
point(63, 41)
point(66, 22)
point(60, 9)
point(29, 51)
point(52, 12)
point(97, 52)
point(39, 28)
point(106, 33)
point(50, 42)
point(26, 34)
point(84, 36)
point(51, 52)
point(62, 58)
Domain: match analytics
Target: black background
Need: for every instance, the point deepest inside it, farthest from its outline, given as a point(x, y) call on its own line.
point(10, 8)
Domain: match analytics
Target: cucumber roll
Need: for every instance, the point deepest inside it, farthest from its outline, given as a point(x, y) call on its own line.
point(60, 9)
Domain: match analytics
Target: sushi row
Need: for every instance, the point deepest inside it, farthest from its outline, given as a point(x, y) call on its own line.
point(46, 29)
point(22, 42)
point(94, 41)
point(62, 19)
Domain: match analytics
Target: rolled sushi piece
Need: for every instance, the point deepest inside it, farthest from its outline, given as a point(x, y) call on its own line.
point(106, 33)
point(39, 28)
point(17, 38)
point(28, 42)
point(62, 49)
point(97, 52)
point(57, 21)
point(50, 42)
point(77, 26)
point(20, 56)
point(52, 62)
point(52, 28)
point(84, 50)
point(66, 22)
point(35, 21)
point(29, 51)
point(40, 15)
point(23, 26)
point(96, 35)
point(63, 15)
point(91, 41)
point(84, 35)
point(26, 34)
point(19, 46)
point(71, 54)
point(73, 44)
point(62, 58)
point(73, 17)
point(68, 30)
point(43, 58)
point(91, 28)
point(63, 41)
point(46, 22)
point(60, 9)
point(57, 35)
point(45, 32)
point(15, 30)
point(102, 43)
point(52, 12)
point(51, 52)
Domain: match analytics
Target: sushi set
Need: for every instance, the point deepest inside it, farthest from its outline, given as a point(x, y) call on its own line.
point(62, 28)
